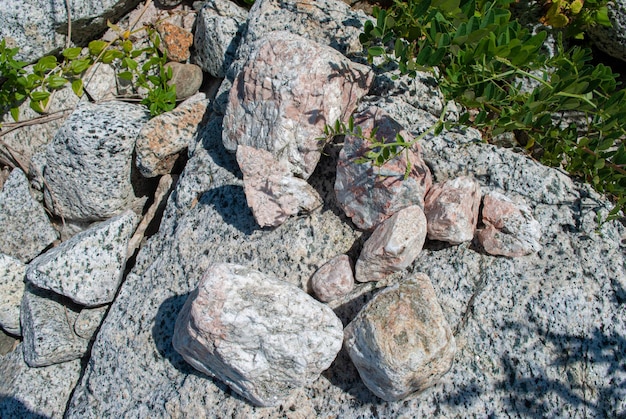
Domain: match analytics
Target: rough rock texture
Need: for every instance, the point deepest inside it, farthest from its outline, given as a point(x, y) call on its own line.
point(334, 279)
point(451, 210)
point(164, 137)
point(285, 94)
point(87, 268)
point(35, 392)
point(272, 192)
point(612, 40)
point(48, 328)
point(11, 289)
point(89, 162)
point(187, 78)
point(400, 341)
point(88, 321)
point(262, 336)
point(25, 229)
point(218, 32)
point(393, 246)
point(510, 229)
point(369, 194)
point(176, 41)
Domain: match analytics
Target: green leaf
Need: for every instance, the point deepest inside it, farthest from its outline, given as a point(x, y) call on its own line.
point(77, 87)
point(55, 82)
point(375, 51)
point(79, 66)
point(125, 75)
point(96, 47)
point(15, 112)
point(39, 96)
point(48, 62)
point(72, 53)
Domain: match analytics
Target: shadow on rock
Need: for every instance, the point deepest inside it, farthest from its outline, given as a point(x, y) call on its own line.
point(10, 407)
point(230, 202)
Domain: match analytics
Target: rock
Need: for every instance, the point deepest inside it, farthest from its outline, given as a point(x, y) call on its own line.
point(272, 192)
point(451, 210)
point(35, 392)
point(510, 229)
point(88, 268)
point(393, 246)
point(334, 279)
point(88, 321)
point(237, 327)
point(368, 194)
point(169, 3)
point(8, 343)
point(176, 41)
point(164, 137)
point(48, 328)
point(100, 82)
point(89, 162)
point(218, 32)
point(611, 40)
point(186, 77)
point(11, 288)
point(25, 229)
point(280, 104)
point(400, 341)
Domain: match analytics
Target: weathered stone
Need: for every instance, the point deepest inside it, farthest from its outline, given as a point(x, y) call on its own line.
point(88, 321)
point(451, 210)
point(176, 41)
point(164, 137)
point(369, 194)
point(8, 343)
point(169, 3)
point(286, 93)
point(218, 33)
point(25, 229)
point(611, 39)
point(11, 289)
point(400, 341)
point(262, 336)
point(393, 246)
point(272, 192)
point(100, 82)
point(88, 268)
point(89, 162)
point(334, 279)
point(510, 229)
point(186, 77)
point(48, 328)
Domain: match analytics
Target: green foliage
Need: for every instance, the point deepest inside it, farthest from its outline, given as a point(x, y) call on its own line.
point(575, 16)
point(496, 69)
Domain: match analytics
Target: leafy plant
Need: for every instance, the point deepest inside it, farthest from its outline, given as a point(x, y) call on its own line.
point(575, 16)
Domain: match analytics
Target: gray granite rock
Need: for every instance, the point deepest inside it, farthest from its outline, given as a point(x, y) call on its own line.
point(334, 279)
point(88, 321)
point(88, 268)
point(25, 230)
point(48, 328)
point(186, 77)
point(401, 342)
point(612, 40)
point(11, 288)
point(35, 392)
point(218, 32)
point(89, 162)
point(262, 336)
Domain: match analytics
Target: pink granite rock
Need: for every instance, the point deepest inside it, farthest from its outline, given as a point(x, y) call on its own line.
point(510, 229)
point(272, 192)
point(369, 194)
point(451, 210)
point(287, 91)
point(176, 41)
point(393, 246)
point(334, 279)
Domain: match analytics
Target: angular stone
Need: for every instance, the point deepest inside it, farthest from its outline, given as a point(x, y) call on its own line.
point(400, 342)
point(164, 137)
point(11, 289)
point(393, 246)
point(88, 321)
point(25, 229)
point(334, 279)
point(88, 268)
point(48, 328)
point(451, 210)
point(262, 336)
point(272, 192)
point(186, 77)
point(218, 33)
point(510, 229)
point(176, 41)
point(100, 82)
point(286, 93)
point(369, 194)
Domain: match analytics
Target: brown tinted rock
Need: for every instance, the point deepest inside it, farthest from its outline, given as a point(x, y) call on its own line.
point(176, 41)
point(186, 77)
point(451, 209)
point(510, 229)
point(334, 279)
point(287, 91)
point(400, 342)
point(368, 194)
point(393, 246)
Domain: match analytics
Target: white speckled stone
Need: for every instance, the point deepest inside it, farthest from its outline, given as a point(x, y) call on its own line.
point(11, 289)
point(88, 267)
point(89, 320)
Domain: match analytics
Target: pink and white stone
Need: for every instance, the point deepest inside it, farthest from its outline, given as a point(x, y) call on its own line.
point(334, 279)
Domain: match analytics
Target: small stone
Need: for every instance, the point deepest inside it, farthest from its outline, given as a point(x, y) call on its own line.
point(25, 229)
point(186, 77)
point(393, 246)
point(400, 342)
point(451, 210)
point(262, 336)
point(88, 268)
point(176, 41)
point(11, 289)
point(334, 279)
point(100, 82)
point(510, 229)
point(272, 192)
point(88, 321)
